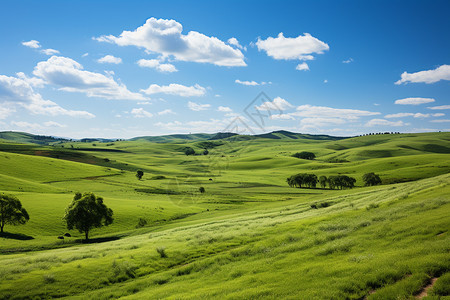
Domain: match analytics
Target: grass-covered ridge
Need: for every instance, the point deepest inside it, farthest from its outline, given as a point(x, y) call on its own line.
point(248, 236)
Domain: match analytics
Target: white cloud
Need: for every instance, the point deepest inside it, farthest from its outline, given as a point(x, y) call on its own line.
point(233, 41)
point(165, 37)
point(321, 122)
point(399, 115)
point(198, 107)
point(282, 117)
point(110, 59)
point(302, 67)
point(33, 81)
point(383, 122)
point(277, 104)
point(53, 124)
point(440, 121)
point(309, 111)
point(70, 76)
point(438, 115)
point(4, 110)
point(166, 112)
point(176, 89)
point(84, 55)
point(325, 81)
point(141, 113)
point(224, 109)
point(414, 101)
point(156, 64)
point(32, 44)
point(300, 48)
point(429, 76)
point(347, 61)
point(50, 51)
point(440, 107)
point(20, 92)
point(245, 82)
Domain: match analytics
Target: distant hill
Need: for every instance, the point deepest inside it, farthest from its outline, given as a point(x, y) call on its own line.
point(23, 137)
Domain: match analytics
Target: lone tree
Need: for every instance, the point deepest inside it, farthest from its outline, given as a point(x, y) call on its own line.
point(189, 151)
point(201, 189)
point(86, 212)
point(305, 155)
point(371, 179)
point(139, 174)
point(11, 211)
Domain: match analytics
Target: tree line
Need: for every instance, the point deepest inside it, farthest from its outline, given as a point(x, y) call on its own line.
point(334, 182)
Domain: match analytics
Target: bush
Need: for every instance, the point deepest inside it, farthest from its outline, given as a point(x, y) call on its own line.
point(189, 151)
point(305, 155)
point(371, 179)
point(158, 177)
point(49, 278)
point(141, 223)
point(201, 189)
point(161, 251)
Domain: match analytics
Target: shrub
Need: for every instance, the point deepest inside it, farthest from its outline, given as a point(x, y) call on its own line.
point(122, 271)
point(141, 223)
point(158, 177)
point(49, 278)
point(161, 251)
point(305, 155)
point(371, 179)
point(201, 189)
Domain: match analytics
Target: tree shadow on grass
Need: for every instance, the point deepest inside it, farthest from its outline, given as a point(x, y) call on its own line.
point(16, 236)
point(98, 240)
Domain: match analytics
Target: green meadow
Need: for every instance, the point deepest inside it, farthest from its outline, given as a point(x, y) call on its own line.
point(248, 236)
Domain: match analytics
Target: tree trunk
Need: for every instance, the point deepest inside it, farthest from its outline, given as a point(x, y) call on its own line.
point(86, 234)
point(2, 225)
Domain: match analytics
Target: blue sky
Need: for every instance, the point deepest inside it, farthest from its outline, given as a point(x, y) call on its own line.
point(120, 69)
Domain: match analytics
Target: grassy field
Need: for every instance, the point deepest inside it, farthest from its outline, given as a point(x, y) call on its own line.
point(248, 236)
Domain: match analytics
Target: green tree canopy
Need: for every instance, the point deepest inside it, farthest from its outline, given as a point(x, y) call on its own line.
point(305, 155)
point(139, 174)
point(11, 211)
point(371, 179)
point(86, 212)
point(189, 151)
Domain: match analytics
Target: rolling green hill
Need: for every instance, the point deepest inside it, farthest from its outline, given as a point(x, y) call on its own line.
point(248, 236)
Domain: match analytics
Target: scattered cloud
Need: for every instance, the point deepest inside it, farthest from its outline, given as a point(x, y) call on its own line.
point(277, 104)
point(32, 44)
point(309, 111)
point(302, 67)
point(245, 82)
point(53, 124)
point(17, 91)
point(233, 41)
point(414, 101)
point(157, 65)
point(70, 77)
point(33, 81)
point(176, 89)
point(224, 109)
point(198, 107)
point(325, 81)
point(4, 110)
point(438, 115)
point(141, 113)
point(165, 37)
point(166, 112)
point(429, 76)
point(49, 51)
point(84, 55)
point(415, 115)
point(302, 47)
point(110, 59)
point(383, 122)
point(347, 61)
point(282, 117)
point(440, 121)
point(440, 107)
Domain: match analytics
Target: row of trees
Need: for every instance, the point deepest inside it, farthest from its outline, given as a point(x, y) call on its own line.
point(334, 182)
point(86, 212)
point(310, 180)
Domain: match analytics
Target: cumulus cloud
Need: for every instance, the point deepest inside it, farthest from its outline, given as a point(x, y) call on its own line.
point(414, 101)
point(224, 109)
point(70, 76)
point(277, 104)
point(383, 122)
point(4, 110)
point(141, 113)
point(18, 91)
point(302, 47)
point(33, 81)
point(166, 112)
point(157, 65)
point(233, 41)
point(302, 67)
point(176, 89)
point(165, 37)
point(32, 44)
point(198, 107)
point(429, 76)
point(50, 51)
point(440, 107)
point(110, 59)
